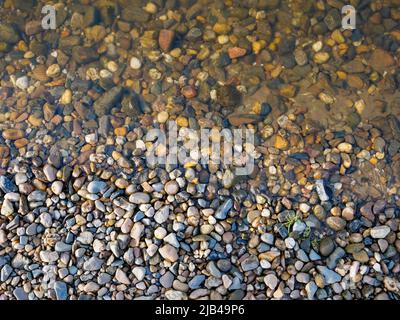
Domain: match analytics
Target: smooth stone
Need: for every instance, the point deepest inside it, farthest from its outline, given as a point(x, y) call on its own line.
point(6, 272)
point(20, 294)
point(380, 232)
point(93, 264)
point(335, 256)
point(61, 289)
point(250, 263)
point(321, 190)
point(329, 275)
point(326, 246)
point(171, 187)
point(169, 253)
point(62, 247)
point(197, 281)
point(223, 210)
point(139, 198)
point(271, 281)
point(7, 185)
point(336, 223)
point(97, 186)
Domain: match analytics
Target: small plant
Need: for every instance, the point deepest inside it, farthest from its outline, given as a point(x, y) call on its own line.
point(291, 220)
point(315, 243)
point(307, 232)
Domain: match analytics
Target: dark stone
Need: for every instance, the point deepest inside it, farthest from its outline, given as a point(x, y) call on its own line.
point(107, 101)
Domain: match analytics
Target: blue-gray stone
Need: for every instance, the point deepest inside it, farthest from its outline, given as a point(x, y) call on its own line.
point(329, 275)
point(223, 210)
point(302, 255)
point(197, 281)
point(5, 272)
point(7, 185)
point(62, 247)
point(97, 186)
point(314, 256)
point(335, 256)
point(20, 294)
point(61, 290)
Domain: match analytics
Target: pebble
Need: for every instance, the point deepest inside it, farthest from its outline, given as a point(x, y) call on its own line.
point(380, 232)
point(22, 82)
point(135, 63)
point(330, 276)
point(61, 290)
point(336, 223)
point(169, 253)
point(97, 186)
point(224, 209)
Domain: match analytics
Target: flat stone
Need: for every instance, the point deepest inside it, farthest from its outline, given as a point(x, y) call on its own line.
point(97, 186)
point(250, 263)
point(139, 198)
point(223, 210)
point(20, 294)
point(121, 277)
point(61, 289)
point(107, 101)
point(165, 39)
point(6, 272)
point(271, 281)
point(62, 247)
point(197, 281)
point(7, 185)
point(49, 256)
point(336, 223)
point(329, 275)
point(380, 232)
point(169, 253)
point(93, 264)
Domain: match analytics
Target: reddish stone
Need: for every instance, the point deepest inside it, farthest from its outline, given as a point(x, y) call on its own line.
point(236, 52)
point(165, 39)
point(189, 92)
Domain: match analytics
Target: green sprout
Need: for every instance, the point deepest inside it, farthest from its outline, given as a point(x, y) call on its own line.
point(290, 220)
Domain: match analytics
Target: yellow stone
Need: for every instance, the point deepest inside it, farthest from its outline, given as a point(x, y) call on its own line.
point(190, 164)
point(373, 161)
point(341, 75)
point(281, 143)
point(223, 39)
point(360, 106)
point(66, 97)
point(34, 121)
point(321, 57)
point(337, 36)
point(176, 53)
point(120, 131)
point(330, 42)
point(150, 8)
point(342, 48)
point(221, 28)
point(258, 46)
point(203, 54)
point(22, 46)
point(276, 71)
point(288, 90)
point(182, 121)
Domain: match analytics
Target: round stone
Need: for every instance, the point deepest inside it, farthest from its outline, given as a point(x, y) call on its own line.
point(171, 187)
point(135, 63)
